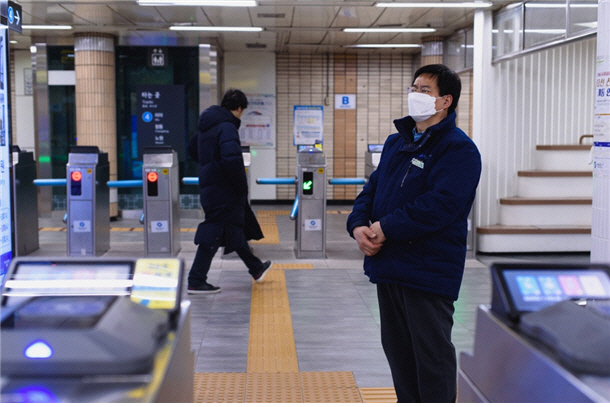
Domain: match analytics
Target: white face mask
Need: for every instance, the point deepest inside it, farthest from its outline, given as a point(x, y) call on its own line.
point(422, 106)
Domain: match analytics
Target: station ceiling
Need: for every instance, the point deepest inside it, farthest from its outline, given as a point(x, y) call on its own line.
point(312, 26)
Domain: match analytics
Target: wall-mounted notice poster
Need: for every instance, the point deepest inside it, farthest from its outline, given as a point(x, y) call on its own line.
point(308, 125)
point(257, 122)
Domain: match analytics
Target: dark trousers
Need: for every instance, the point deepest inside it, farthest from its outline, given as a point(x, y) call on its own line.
point(203, 259)
point(416, 338)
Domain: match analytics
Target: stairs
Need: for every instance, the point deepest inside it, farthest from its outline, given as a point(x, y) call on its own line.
point(552, 209)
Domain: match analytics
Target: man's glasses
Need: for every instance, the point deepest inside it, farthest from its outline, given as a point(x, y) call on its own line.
point(414, 89)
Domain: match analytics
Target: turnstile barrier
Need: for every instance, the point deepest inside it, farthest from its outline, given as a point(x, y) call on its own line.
point(161, 191)
point(25, 201)
point(311, 193)
point(88, 216)
point(371, 159)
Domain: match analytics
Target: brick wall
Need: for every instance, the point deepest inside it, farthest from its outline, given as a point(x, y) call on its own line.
point(379, 82)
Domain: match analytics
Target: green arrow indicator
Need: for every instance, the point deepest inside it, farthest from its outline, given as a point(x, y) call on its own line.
point(307, 185)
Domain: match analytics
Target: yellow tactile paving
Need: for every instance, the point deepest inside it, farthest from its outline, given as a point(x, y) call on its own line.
point(271, 346)
point(219, 387)
point(274, 213)
point(378, 395)
point(268, 223)
point(281, 387)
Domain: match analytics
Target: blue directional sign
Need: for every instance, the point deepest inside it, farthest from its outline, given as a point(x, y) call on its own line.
point(14, 17)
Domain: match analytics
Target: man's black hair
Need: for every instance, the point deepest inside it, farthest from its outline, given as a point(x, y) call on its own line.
point(234, 99)
point(448, 82)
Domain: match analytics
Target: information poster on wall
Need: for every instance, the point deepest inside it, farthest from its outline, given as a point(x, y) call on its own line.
point(257, 122)
point(6, 249)
point(601, 124)
point(161, 117)
point(308, 125)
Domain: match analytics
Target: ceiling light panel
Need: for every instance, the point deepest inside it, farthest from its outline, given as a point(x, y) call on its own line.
point(389, 30)
point(46, 27)
point(199, 3)
point(437, 5)
point(383, 46)
point(214, 29)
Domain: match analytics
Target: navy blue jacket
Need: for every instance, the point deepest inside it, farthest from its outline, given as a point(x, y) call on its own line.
point(421, 193)
point(223, 186)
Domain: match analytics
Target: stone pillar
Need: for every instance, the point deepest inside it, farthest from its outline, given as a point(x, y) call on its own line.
point(432, 50)
point(42, 124)
point(96, 99)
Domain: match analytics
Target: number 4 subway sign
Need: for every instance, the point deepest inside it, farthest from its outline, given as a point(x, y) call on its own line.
point(161, 117)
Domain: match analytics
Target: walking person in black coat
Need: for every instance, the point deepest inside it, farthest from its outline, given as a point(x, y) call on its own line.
point(223, 190)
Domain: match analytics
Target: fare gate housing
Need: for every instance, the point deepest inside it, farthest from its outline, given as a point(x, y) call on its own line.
point(161, 190)
point(311, 218)
point(25, 201)
point(371, 159)
point(88, 216)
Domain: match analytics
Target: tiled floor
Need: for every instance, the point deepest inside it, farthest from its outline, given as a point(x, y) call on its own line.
point(332, 305)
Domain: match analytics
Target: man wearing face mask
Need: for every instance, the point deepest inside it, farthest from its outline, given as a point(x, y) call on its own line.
point(411, 222)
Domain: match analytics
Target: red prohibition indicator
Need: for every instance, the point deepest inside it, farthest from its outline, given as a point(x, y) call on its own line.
point(152, 176)
point(76, 176)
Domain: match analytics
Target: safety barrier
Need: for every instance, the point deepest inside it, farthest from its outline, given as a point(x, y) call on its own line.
point(347, 181)
point(135, 183)
point(62, 182)
point(190, 181)
point(283, 181)
point(51, 182)
point(276, 181)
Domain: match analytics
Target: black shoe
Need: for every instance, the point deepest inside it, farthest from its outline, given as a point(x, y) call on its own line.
point(204, 288)
point(258, 277)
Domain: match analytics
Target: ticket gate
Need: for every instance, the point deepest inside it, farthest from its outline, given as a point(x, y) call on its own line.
point(371, 159)
point(544, 339)
point(88, 216)
point(161, 201)
point(311, 192)
point(95, 330)
point(25, 201)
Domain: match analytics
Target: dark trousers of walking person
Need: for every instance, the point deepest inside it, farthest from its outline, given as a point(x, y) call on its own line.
point(416, 338)
point(205, 254)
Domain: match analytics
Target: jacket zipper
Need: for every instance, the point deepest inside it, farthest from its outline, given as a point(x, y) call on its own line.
point(407, 173)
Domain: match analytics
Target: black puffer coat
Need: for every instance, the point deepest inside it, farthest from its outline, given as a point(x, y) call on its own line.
point(223, 186)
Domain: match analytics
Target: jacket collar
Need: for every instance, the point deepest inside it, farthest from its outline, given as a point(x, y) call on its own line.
point(406, 125)
point(214, 115)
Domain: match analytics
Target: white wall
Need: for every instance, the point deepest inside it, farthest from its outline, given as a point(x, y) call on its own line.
point(24, 132)
point(255, 73)
point(542, 98)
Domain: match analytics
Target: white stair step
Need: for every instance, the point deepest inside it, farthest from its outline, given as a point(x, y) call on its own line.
point(516, 211)
point(533, 239)
point(536, 183)
point(563, 157)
